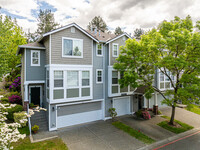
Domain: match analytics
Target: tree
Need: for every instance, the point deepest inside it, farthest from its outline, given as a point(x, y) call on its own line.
point(118, 31)
point(173, 49)
point(11, 35)
point(138, 32)
point(99, 23)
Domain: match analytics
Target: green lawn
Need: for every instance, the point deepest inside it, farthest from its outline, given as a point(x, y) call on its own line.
point(53, 144)
point(24, 130)
point(184, 127)
point(194, 108)
point(138, 135)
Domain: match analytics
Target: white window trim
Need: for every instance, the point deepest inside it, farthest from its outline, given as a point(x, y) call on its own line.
point(113, 50)
point(32, 51)
point(110, 94)
point(164, 89)
point(97, 49)
point(97, 76)
point(58, 79)
point(63, 48)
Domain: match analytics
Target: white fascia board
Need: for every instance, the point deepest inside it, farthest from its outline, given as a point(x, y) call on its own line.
point(31, 47)
point(68, 26)
point(33, 82)
point(119, 37)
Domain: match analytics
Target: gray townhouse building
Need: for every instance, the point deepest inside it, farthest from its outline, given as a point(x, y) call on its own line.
point(70, 72)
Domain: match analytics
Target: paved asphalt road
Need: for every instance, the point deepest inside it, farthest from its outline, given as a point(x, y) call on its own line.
point(189, 142)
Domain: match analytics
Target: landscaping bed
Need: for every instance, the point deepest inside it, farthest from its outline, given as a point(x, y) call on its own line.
point(177, 128)
point(135, 133)
point(53, 144)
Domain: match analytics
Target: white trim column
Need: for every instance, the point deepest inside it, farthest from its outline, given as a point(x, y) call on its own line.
point(145, 103)
point(155, 99)
point(26, 93)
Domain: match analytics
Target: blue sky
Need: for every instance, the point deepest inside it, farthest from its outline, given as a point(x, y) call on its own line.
point(128, 14)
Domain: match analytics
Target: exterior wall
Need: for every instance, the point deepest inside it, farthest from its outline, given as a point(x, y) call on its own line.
point(159, 100)
point(56, 48)
point(97, 64)
point(46, 44)
point(34, 73)
point(119, 41)
point(52, 121)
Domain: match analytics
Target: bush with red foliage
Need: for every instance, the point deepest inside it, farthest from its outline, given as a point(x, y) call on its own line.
point(15, 99)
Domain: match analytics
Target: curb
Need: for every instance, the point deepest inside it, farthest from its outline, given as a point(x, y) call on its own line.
point(44, 139)
point(162, 142)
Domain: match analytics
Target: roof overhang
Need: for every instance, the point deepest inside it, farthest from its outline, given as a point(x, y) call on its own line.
point(30, 47)
point(68, 26)
point(124, 34)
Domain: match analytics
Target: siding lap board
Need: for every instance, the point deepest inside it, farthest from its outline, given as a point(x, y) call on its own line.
point(56, 48)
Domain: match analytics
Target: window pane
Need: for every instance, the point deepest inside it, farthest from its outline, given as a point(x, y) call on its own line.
point(99, 79)
point(114, 74)
point(72, 78)
point(58, 94)
point(68, 46)
point(167, 85)
point(35, 54)
point(161, 85)
point(114, 89)
point(115, 53)
point(115, 47)
point(85, 74)
point(48, 93)
point(85, 91)
point(58, 83)
point(99, 46)
point(161, 77)
point(99, 73)
point(77, 46)
point(99, 52)
point(125, 89)
point(114, 80)
point(58, 74)
point(72, 93)
point(85, 82)
point(47, 82)
point(47, 74)
point(35, 61)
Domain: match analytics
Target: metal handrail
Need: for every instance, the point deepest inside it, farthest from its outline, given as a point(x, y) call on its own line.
point(29, 120)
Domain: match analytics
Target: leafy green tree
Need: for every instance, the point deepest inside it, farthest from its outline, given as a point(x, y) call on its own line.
point(11, 35)
point(173, 49)
point(99, 23)
point(138, 32)
point(118, 31)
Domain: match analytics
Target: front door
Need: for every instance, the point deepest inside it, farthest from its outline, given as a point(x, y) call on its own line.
point(35, 95)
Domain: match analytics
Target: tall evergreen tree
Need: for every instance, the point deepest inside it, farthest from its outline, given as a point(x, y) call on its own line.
point(118, 31)
point(138, 32)
point(99, 23)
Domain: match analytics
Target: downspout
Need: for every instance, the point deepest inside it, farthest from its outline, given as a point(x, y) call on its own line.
point(104, 80)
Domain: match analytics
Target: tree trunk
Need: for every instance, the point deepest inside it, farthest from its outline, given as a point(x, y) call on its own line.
point(172, 115)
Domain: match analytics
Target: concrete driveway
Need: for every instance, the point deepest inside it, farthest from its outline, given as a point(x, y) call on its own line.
point(100, 135)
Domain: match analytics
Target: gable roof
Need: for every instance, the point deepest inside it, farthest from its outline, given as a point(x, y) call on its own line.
point(68, 26)
point(119, 36)
point(34, 45)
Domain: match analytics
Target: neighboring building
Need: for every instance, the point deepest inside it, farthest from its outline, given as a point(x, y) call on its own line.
point(70, 72)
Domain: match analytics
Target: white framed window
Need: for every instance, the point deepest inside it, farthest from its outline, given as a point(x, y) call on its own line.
point(58, 79)
point(164, 82)
point(99, 51)
point(35, 58)
point(115, 50)
point(99, 76)
point(72, 30)
point(47, 84)
point(72, 47)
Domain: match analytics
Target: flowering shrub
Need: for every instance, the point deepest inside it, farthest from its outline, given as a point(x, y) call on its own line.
point(21, 118)
point(146, 115)
point(12, 110)
point(16, 85)
point(15, 99)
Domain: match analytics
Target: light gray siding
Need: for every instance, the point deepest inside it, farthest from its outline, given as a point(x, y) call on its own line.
point(119, 41)
point(52, 120)
point(56, 48)
point(46, 44)
point(97, 64)
point(34, 73)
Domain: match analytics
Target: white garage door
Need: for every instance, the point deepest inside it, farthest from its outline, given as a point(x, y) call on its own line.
point(78, 114)
point(122, 105)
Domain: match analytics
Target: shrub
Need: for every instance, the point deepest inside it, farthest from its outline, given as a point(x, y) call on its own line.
point(146, 115)
point(16, 85)
point(15, 99)
point(7, 85)
point(159, 112)
point(11, 93)
point(139, 113)
point(13, 110)
point(31, 105)
point(4, 100)
point(112, 112)
point(20, 117)
point(35, 128)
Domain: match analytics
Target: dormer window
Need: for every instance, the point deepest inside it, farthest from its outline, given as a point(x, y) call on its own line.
point(35, 58)
point(115, 51)
point(99, 50)
point(72, 47)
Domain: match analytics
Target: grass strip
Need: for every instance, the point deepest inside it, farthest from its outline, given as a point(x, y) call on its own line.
point(193, 108)
point(138, 135)
point(184, 127)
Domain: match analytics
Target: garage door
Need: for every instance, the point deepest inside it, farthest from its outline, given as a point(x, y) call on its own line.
point(77, 114)
point(122, 105)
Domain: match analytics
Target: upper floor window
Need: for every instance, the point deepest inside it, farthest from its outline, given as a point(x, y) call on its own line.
point(35, 58)
point(72, 47)
point(115, 51)
point(164, 80)
point(99, 50)
point(99, 76)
